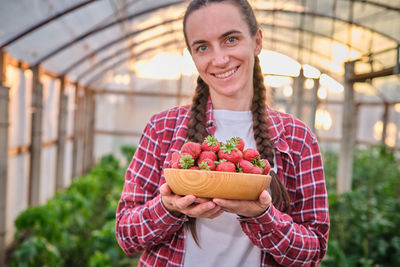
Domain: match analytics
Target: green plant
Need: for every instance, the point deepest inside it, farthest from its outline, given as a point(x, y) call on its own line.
point(77, 226)
point(365, 221)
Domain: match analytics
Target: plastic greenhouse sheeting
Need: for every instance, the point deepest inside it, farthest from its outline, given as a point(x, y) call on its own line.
point(116, 34)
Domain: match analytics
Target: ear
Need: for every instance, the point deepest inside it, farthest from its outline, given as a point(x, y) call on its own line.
point(258, 42)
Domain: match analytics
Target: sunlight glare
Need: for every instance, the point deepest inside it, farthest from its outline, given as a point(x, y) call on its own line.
point(278, 64)
point(322, 93)
point(323, 120)
point(277, 81)
point(331, 84)
point(310, 72)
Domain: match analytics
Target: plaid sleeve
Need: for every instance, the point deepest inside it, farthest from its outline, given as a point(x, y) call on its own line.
point(299, 238)
point(141, 219)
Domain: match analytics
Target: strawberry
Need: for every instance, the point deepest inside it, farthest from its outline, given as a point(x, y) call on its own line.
point(207, 155)
point(186, 161)
point(226, 166)
point(176, 165)
point(245, 166)
point(238, 142)
point(194, 168)
point(207, 164)
point(191, 148)
point(210, 143)
point(230, 152)
point(174, 158)
point(267, 167)
point(256, 170)
point(251, 154)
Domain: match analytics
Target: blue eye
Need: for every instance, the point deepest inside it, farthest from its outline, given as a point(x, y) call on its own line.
point(231, 40)
point(201, 48)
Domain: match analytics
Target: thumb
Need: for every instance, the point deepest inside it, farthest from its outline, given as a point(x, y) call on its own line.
point(165, 190)
point(265, 198)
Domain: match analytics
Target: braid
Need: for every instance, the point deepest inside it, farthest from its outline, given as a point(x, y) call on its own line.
point(197, 122)
point(197, 131)
point(280, 196)
point(258, 107)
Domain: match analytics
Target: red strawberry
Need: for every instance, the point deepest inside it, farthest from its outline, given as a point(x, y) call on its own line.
point(186, 161)
point(207, 155)
point(191, 148)
point(238, 142)
point(207, 164)
point(245, 166)
point(210, 143)
point(266, 167)
point(174, 158)
point(230, 152)
point(250, 154)
point(176, 165)
point(226, 166)
point(256, 170)
point(194, 168)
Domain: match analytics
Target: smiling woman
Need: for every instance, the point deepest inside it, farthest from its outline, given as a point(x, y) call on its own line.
point(287, 224)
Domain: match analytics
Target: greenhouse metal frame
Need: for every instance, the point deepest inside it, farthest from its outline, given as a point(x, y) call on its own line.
point(75, 45)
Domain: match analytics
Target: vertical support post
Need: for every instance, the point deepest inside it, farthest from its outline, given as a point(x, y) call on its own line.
point(385, 120)
point(349, 131)
point(76, 133)
point(298, 94)
point(4, 124)
point(314, 104)
point(61, 135)
point(91, 129)
point(86, 132)
point(36, 138)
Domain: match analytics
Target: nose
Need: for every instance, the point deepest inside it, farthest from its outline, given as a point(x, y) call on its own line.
point(220, 59)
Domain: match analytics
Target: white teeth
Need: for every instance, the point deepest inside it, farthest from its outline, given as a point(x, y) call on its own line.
point(226, 74)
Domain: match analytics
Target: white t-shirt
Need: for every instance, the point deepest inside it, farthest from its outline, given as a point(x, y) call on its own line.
point(222, 241)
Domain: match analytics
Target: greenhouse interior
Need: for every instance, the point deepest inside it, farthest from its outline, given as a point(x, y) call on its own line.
point(80, 79)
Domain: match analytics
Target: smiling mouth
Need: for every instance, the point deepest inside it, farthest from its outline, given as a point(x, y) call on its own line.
point(226, 74)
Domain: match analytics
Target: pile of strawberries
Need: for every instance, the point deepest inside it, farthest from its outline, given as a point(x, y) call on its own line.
point(212, 155)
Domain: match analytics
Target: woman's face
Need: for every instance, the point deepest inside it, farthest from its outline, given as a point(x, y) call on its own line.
point(223, 51)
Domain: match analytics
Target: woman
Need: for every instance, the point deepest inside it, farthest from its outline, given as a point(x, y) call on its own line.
point(287, 225)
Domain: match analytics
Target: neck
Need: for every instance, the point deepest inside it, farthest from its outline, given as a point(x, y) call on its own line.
point(236, 103)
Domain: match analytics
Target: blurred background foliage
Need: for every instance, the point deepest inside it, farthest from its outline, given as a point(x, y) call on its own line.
point(77, 226)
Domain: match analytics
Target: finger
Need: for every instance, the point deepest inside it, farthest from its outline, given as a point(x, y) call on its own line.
point(215, 212)
point(225, 203)
point(202, 200)
point(202, 209)
point(183, 203)
point(165, 190)
point(265, 199)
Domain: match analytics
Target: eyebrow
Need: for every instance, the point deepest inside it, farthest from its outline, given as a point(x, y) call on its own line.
point(221, 37)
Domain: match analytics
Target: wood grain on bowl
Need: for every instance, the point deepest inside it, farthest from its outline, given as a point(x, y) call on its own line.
point(214, 184)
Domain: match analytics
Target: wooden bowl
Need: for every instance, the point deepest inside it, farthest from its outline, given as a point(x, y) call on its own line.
point(215, 184)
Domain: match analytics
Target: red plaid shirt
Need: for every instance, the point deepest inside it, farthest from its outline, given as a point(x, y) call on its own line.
point(295, 239)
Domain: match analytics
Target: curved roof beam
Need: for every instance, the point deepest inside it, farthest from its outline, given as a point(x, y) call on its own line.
point(313, 14)
point(44, 22)
point(99, 64)
point(309, 32)
point(102, 28)
point(148, 50)
point(124, 59)
point(80, 61)
point(119, 52)
point(108, 45)
point(372, 3)
point(113, 42)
